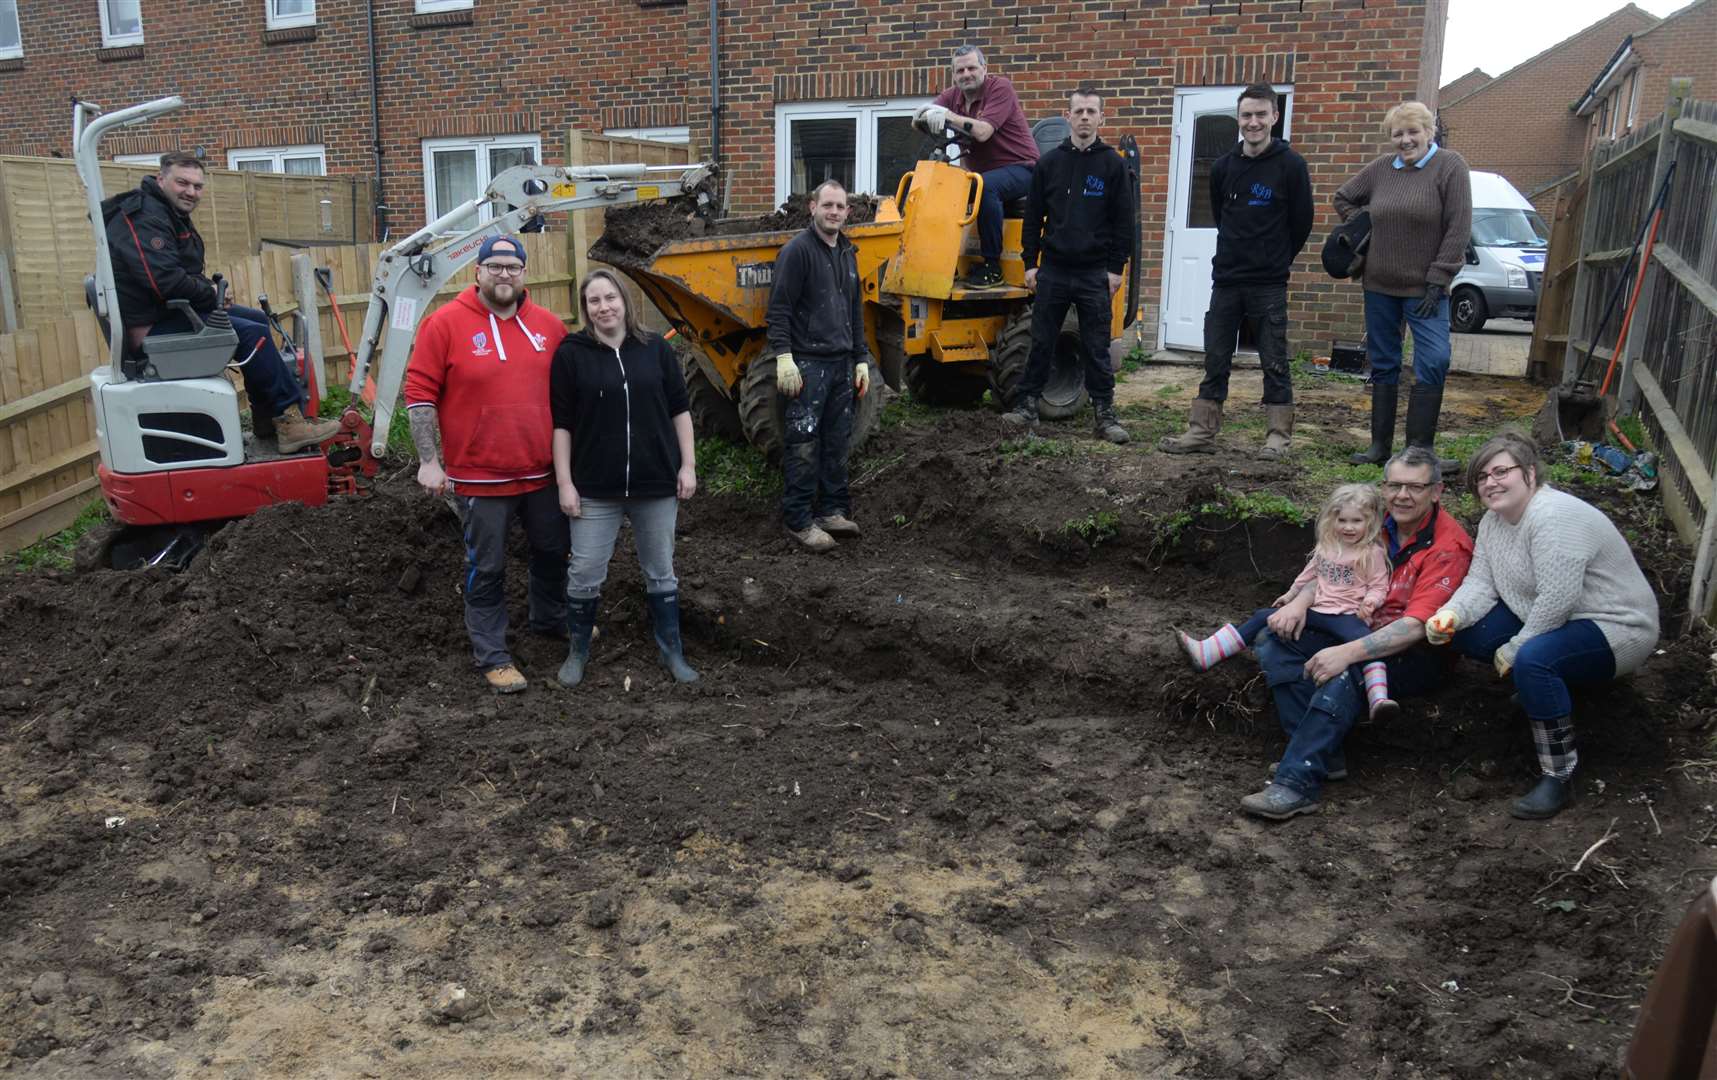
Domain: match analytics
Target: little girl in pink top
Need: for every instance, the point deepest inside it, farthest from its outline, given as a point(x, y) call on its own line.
point(1343, 583)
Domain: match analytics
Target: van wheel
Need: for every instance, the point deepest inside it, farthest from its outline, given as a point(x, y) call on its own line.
point(1467, 311)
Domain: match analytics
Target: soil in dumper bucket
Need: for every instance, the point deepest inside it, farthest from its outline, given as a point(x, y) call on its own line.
point(632, 234)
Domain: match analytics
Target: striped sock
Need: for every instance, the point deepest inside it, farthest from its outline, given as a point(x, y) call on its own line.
point(1214, 649)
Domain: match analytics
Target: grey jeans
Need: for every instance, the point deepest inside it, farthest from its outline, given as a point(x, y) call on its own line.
point(487, 518)
point(597, 527)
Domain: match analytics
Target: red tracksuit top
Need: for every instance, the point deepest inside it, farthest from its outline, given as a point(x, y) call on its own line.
point(488, 379)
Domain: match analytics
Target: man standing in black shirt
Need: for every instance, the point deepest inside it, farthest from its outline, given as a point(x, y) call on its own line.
point(1261, 198)
point(816, 330)
point(1079, 218)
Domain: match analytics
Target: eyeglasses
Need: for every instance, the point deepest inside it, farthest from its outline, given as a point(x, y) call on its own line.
point(1498, 474)
point(504, 269)
point(1393, 487)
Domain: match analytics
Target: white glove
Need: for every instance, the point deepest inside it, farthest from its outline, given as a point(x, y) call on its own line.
point(931, 119)
point(787, 377)
point(861, 379)
point(1440, 628)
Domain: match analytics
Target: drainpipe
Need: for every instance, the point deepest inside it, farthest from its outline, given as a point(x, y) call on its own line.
point(715, 81)
point(380, 210)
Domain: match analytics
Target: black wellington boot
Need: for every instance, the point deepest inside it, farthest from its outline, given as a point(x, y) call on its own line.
point(665, 622)
point(1383, 403)
point(1424, 405)
point(1549, 798)
point(580, 622)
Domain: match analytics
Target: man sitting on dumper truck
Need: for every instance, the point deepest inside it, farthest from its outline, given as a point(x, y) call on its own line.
point(158, 257)
point(999, 147)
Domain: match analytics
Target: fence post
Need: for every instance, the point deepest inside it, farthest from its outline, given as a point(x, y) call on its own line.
point(1627, 394)
point(1577, 328)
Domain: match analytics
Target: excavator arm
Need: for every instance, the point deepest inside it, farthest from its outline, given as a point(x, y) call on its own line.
point(410, 273)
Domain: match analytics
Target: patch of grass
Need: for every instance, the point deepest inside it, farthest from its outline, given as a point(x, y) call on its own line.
point(903, 410)
point(726, 468)
point(1134, 359)
point(1169, 390)
point(55, 552)
point(1034, 447)
point(1094, 528)
point(1632, 427)
point(400, 447)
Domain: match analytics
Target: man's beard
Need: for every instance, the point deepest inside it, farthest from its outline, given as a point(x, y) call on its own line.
point(490, 294)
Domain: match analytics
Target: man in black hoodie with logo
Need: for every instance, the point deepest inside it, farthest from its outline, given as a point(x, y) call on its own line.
point(1261, 199)
point(1079, 218)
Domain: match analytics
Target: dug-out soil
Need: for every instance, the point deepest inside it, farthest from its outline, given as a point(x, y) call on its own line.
point(632, 234)
point(945, 803)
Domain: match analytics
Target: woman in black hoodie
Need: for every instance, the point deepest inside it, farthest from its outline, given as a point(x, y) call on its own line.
point(622, 449)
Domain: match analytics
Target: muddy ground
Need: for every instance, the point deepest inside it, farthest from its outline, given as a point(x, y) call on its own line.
point(945, 804)
point(630, 235)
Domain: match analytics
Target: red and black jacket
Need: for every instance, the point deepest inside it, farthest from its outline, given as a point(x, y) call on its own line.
point(157, 255)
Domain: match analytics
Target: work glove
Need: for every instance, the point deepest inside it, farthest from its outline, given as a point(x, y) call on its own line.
point(931, 119)
point(1504, 661)
point(1431, 303)
point(787, 377)
point(1440, 628)
point(861, 379)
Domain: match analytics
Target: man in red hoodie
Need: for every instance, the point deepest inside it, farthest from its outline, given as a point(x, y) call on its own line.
point(478, 384)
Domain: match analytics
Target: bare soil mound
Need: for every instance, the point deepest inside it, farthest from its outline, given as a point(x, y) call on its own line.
point(632, 234)
point(946, 803)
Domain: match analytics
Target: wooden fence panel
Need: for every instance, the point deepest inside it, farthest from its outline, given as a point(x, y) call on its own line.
point(584, 227)
point(48, 247)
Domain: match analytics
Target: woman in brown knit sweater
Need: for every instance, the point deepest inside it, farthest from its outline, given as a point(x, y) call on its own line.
point(1421, 204)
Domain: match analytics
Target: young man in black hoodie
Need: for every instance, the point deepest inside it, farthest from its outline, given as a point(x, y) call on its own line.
point(1079, 218)
point(1261, 198)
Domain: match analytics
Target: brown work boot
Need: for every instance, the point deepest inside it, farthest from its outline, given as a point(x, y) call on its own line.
point(505, 679)
point(813, 538)
point(838, 526)
point(293, 431)
point(1201, 429)
point(1279, 419)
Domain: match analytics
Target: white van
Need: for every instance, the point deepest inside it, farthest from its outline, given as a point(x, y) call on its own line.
point(1505, 258)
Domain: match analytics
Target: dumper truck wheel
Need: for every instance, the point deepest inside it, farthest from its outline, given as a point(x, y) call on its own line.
point(762, 409)
point(1064, 394)
point(941, 384)
point(713, 412)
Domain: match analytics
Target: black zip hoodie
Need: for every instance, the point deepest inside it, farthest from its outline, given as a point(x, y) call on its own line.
point(1263, 211)
point(815, 303)
point(1079, 212)
point(619, 405)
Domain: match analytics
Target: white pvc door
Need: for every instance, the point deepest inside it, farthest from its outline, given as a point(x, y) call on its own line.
point(1205, 128)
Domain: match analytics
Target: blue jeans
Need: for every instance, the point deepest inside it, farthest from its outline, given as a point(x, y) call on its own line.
point(1573, 653)
point(1383, 318)
point(1086, 291)
point(1317, 718)
point(815, 441)
point(596, 529)
point(272, 386)
point(1337, 627)
point(1001, 185)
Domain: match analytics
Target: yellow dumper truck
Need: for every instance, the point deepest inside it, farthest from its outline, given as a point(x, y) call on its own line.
point(946, 343)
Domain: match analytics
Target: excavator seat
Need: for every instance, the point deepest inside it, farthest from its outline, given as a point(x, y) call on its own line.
point(204, 351)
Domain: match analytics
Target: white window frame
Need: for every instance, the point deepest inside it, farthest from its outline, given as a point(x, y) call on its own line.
point(111, 40)
point(13, 52)
point(671, 133)
point(481, 143)
point(1633, 103)
point(425, 6)
point(276, 156)
point(286, 22)
point(865, 111)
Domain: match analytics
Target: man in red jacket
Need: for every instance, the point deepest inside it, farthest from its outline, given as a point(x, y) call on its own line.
point(478, 384)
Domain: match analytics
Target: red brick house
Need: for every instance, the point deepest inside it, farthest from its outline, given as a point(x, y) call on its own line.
point(1521, 123)
point(433, 96)
point(1463, 86)
point(1633, 85)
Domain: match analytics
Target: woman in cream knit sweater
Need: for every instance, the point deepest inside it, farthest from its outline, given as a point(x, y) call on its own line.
point(1553, 598)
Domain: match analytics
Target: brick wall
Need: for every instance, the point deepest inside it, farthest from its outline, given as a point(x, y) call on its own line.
point(1521, 124)
point(511, 66)
point(1462, 86)
point(1683, 46)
